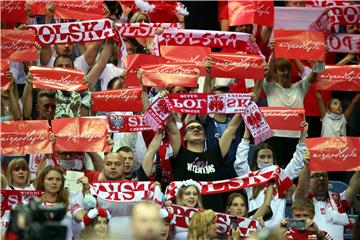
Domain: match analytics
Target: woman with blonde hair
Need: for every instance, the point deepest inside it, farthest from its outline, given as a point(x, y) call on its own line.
point(203, 225)
point(18, 175)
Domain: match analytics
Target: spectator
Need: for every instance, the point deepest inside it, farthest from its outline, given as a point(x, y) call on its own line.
point(146, 221)
point(166, 229)
point(10, 109)
point(333, 118)
point(303, 209)
point(330, 207)
point(203, 225)
point(264, 157)
point(96, 224)
point(18, 175)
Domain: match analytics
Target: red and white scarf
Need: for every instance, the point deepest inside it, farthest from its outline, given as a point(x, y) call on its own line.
point(11, 197)
point(73, 32)
point(205, 38)
point(343, 43)
point(127, 123)
point(142, 30)
point(260, 177)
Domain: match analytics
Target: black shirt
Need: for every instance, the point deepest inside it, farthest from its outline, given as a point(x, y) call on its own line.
point(139, 175)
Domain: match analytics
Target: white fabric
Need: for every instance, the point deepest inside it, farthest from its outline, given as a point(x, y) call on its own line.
point(79, 63)
point(180, 233)
point(326, 222)
point(18, 72)
point(292, 97)
point(110, 71)
point(277, 205)
point(333, 127)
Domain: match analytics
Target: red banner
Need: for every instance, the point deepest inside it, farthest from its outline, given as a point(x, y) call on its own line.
point(25, 137)
point(18, 45)
point(10, 198)
point(5, 81)
point(117, 100)
point(169, 75)
point(343, 43)
point(284, 118)
point(251, 12)
point(74, 9)
point(340, 78)
point(334, 153)
point(133, 62)
point(80, 134)
point(142, 30)
point(13, 11)
point(186, 54)
point(58, 78)
point(295, 44)
point(237, 66)
point(73, 32)
point(127, 123)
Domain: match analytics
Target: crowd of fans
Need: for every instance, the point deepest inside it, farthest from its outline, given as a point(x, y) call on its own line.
point(190, 148)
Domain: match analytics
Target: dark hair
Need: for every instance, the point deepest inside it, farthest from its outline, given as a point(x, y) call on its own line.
point(125, 149)
point(138, 48)
point(192, 121)
point(63, 56)
point(88, 231)
point(283, 63)
point(45, 93)
point(232, 197)
point(254, 166)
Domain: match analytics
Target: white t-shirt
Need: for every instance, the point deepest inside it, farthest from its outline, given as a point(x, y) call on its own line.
point(79, 63)
point(333, 125)
point(293, 97)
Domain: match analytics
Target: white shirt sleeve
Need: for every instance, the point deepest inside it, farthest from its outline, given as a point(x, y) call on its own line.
point(268, 86)
point(241, 164)
point(296, 164)
point(304, 85)
point(80, 63)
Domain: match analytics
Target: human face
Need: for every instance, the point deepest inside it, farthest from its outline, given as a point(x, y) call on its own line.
point(302, 214)
point(212, 230)
point(335, 106)
point(129, 48)
point(294, 3)
point(195, 132)
point(46, 108)
point(129, 162)
point(19, 175)
point(179, 89)
point(64, 49)
point(101, 227)
point(113, 166)
point(238, 207)
point(283, 77)
point(265, 156)
point(190, 196)
point(319, 182)
point(52, 182)
point(165, 230)
point(64, 62)
point(142, 19)
point(146, 223)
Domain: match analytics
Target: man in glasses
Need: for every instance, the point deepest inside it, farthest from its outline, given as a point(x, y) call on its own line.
point(197, 162)
point(330, 207)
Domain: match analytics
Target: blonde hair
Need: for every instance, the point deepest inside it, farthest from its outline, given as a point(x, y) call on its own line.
point(180, 195)
point(200, 223)
point(14, 163)
point(138, 14)
point(4, 182)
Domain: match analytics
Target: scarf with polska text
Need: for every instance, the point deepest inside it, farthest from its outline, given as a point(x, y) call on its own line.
point(259, 177)
point(203, 103)
point(142, 30)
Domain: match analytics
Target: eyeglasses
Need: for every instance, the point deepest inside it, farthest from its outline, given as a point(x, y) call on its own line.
point(193, 128)
point(319, 175)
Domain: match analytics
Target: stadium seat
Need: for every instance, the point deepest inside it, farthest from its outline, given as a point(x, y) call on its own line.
point(337, 186)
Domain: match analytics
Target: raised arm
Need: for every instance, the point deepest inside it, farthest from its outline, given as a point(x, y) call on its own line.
point(262, 210)
point(14, 100)
point(321, 104)
point(303, 186)
point(229, 133)
point(96, 160)
point(174, 135)
point(241, 165)
point(46, 50)
point(318, 67)
point(353, 189)
point(351, 106)
point(27, 98)
point(154, 146)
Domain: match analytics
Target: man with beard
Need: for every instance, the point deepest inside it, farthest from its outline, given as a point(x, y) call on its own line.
point(330, 207)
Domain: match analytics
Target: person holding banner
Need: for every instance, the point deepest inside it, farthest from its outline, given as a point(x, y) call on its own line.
point(10, 109)
point(263, 157)
point(330, 207)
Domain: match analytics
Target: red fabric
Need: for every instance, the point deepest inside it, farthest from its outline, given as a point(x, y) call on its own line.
point(13, 11)
point(5, 81)
point(223, 12)
point(284, 118)
point(164, 11)
point(93, 176)
point(338, 77)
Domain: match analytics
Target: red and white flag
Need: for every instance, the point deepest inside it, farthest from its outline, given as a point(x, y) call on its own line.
point(284, 118)
point(118, 100)
point(169, 75)
point(25, 137)
point(10, 198)
point(157, 113)
point(251, 12)
point(237, 66)
point(13, 11)
point(80, 134)
point(339, 78)
point(334, 153)
point(142, 30)
point(343, 43)
point(73, 32)
point(18, 45)
point(295, 44)
point(5, 81)
point(58, 78)
point(327, 3)
point(127, 123)
point(205, 38)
